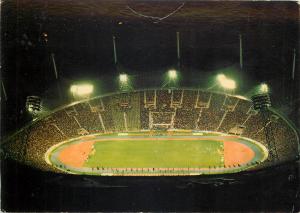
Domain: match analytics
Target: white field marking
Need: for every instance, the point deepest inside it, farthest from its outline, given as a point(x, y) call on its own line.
point(197, 133)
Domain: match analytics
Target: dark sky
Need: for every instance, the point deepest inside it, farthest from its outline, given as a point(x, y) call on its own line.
point(80, 35)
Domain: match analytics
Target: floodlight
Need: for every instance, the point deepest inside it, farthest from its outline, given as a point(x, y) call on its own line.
point(85, 89)
point(73, 88)
point(82, 89)
point(30, 109)
point(228, 84)
point(123, 78)
point(221, 77)
point(225, 82)
point(172, 74)
point(125, 83)
point(264, 88)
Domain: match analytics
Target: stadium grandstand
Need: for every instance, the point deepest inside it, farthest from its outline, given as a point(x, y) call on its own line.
point(154, 110)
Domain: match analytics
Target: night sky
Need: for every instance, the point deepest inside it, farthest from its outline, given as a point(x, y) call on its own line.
point(80, 37)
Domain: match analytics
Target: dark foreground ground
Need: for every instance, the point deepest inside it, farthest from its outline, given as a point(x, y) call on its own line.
point(26, 189)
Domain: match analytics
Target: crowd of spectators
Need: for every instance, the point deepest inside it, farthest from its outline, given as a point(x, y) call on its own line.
point(88, 120)
point(236, 114)
point(194, 110)
point(211, 117)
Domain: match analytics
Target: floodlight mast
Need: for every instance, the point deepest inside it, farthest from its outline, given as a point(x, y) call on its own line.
point(124, 81)
point(241, 51)
point(56, 75)
point(178, 49)
point(294, 65)
point(54, 66)
point(115, 51)
point(4, 91)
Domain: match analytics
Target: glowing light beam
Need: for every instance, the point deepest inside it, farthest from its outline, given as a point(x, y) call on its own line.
point(123, 78)
point(172, 74)
point(225, 82)
point(82, 89)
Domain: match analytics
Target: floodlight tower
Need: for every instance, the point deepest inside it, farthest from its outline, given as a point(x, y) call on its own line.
point(124, 80)
point(261, 103)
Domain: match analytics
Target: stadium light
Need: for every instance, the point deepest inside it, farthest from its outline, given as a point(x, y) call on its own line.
point(123, 78)
point(221, 77)
point(30, 108)
point(172, 74)
point(125, 83)
point(225, 82)
point(264, 88)
point(228, 84)
point(171, 78)
point(82, 89)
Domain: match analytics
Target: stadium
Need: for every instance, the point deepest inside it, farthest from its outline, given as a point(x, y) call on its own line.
point(229, 134)
point(149, 106)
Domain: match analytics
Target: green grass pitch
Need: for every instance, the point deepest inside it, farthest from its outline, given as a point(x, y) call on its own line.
point(157, 153)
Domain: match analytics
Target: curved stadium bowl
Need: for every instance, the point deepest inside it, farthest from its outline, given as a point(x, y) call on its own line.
point(196, 110)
